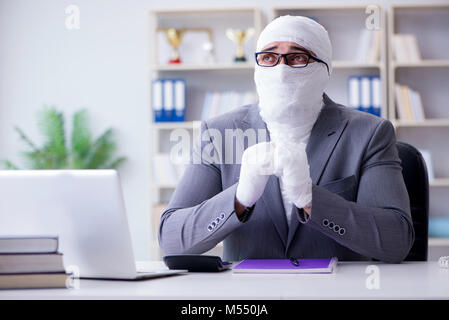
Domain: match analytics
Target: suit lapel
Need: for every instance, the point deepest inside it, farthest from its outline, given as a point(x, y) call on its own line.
point(324, 136)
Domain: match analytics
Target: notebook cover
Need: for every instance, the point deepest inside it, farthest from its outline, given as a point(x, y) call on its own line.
point(285, 266)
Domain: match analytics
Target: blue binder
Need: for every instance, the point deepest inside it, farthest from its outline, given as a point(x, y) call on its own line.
point(157, 94)
point(168, 100)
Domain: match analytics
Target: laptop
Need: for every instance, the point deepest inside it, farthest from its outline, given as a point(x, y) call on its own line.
point(85, 209)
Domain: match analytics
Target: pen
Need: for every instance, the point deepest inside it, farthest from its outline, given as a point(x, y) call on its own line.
point(294, 261)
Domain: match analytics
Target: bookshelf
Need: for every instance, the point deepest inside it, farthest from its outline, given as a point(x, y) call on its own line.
point(429, 76)
point(200, 77)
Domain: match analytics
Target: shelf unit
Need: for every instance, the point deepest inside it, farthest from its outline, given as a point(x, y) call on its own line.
point(341, 21)
point(200, 77)
point(429, 23)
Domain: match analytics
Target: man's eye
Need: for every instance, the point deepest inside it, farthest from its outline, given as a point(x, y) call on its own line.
point(299, 58)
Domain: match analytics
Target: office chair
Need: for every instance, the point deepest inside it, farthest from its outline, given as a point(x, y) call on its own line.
point(414, 171)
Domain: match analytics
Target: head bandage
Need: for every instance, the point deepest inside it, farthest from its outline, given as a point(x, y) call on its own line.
point(290, 99)
point(302, 30)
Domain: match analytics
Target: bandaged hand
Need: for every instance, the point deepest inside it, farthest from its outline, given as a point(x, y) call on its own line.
point(292, 168)
point(257, 166)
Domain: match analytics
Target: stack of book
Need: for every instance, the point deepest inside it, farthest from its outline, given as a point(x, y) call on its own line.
point(405, 48)
point(31, 262)
point(408, 104)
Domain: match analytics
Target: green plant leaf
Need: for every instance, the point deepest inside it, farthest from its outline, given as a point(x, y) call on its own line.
point(25, 138)
point(83, 154)
point(114, 164)
point(8, 165)
point(51, 124)
point(102, 150)
point(81, 140)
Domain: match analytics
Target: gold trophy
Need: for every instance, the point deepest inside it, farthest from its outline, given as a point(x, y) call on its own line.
point(239, 37)
point(174, 37)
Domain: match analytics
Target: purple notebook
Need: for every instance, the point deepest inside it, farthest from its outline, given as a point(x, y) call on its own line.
point(286, 266)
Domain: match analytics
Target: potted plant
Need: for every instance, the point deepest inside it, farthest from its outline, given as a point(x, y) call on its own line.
point(83, 152)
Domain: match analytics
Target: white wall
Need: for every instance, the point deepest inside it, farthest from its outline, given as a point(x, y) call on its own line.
point(101, 67)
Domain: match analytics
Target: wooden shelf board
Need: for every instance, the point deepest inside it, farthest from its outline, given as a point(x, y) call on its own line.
point(438, 242)
point(419, 6)
point(341, 64)
point(425, 123)
point(322, 7)
point(439, 182)
point(204, 10)
point(176, 125)
point(156, 185)
point(428, 63)
point(202, 67)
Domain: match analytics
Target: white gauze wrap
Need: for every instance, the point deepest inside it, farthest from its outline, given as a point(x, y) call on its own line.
point(290, 99)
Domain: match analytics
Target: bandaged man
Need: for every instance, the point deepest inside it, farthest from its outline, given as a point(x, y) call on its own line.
point(324, 181)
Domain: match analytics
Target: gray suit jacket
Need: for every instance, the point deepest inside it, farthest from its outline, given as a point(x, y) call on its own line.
point(360, 206)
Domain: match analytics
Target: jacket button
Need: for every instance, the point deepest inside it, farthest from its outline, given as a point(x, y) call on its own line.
point(217, 220)
point(222, 215)
point(342, 231)
point(331, 225)
point(213, 224)
point(325, 222)
point(336, 228)
point(209, 228)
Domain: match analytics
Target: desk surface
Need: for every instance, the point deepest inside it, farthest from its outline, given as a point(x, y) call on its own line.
point(410, 280)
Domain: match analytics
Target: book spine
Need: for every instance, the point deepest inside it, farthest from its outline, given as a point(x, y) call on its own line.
point(30, 263)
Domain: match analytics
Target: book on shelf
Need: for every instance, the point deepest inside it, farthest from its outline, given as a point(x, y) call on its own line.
point(31, 262)
point(216, 103)
point(408, 104)
point(405, 48)
point(369, 44)
point(168, 99)
point(365, 94)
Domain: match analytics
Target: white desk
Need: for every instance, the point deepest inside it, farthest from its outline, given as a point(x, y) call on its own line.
point(412, 280)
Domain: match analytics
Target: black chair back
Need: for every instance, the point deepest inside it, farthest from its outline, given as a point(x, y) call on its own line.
point(416, 180)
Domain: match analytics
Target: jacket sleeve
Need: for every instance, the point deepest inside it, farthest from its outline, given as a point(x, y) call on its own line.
point(378, 224)
point(200, 213)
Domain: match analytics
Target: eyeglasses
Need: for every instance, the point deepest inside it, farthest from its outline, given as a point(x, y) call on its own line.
point(292, 59)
